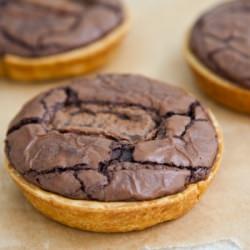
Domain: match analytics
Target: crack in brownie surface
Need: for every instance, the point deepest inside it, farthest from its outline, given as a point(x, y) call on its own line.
point(34, 28)
point(221, 40)
point(112, 138)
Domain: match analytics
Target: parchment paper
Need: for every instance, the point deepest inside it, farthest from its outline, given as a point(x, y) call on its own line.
point(153, 48)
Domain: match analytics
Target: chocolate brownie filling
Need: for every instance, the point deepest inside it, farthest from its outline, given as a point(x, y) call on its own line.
point(113, 138)
point(221, 40)
point(34, 28)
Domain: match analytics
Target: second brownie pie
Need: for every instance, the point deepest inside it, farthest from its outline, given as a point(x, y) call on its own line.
point(113, 153)
point(43, 39)
point(218, 51)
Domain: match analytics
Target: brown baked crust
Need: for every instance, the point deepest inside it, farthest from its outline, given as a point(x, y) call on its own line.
point(112, 137)
point(67, 64)
point(219, 39)
point(116, 216)
point(221, 90)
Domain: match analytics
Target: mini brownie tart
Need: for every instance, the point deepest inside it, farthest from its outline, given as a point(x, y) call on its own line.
point(113, 153)
point(44, 39)
point(218, 51)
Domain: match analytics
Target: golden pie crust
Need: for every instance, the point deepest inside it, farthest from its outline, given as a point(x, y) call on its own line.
point(100, 216)
point(221, 90)
point(67, 64)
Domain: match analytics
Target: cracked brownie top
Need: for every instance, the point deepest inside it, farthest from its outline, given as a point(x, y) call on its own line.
point(34, 28)
point(221, 40)
point(113, 138)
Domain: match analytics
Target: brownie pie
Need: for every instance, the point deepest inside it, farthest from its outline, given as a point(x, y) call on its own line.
point(113, 138)
point(221, 40)
point(63, 31)
point(220, 43)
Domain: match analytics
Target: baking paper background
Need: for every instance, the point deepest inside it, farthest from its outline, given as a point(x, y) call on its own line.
point(153, 48)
